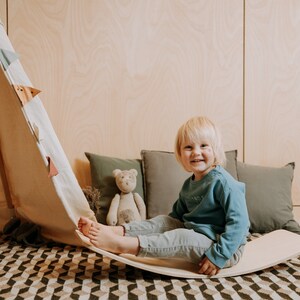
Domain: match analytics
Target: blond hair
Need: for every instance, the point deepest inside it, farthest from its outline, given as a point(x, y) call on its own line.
point(199, 128)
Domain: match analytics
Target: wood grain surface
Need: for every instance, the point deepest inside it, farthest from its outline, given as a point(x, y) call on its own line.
point(272, 85)
point(121, 76)
point(3, 11)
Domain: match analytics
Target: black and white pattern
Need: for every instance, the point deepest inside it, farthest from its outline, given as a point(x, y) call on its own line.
point(67, 272)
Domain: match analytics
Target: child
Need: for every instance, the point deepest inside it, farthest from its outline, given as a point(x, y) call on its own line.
point(209, 222)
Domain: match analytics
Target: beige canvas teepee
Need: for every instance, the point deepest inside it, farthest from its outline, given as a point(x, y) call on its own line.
point(37, 183)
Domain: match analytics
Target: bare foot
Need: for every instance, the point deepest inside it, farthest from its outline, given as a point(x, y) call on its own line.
point(105, 238)
point(102, 237)
point(84, 225)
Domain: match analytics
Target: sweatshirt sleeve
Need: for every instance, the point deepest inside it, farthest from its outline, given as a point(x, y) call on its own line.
point(236, 227)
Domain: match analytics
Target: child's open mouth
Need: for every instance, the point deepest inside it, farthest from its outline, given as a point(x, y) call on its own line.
point(197, 160)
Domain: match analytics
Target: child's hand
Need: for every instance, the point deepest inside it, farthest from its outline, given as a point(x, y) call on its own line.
point(207, 267)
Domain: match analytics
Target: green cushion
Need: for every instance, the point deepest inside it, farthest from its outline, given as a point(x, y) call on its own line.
point(103, 180)
point(164, 177)
point(268, 196)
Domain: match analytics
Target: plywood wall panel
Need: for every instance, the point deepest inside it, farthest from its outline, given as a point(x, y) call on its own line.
point(3, 12)
point(121, 76)
point(272, 85)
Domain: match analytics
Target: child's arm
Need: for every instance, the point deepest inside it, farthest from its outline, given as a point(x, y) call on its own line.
point(236, 224)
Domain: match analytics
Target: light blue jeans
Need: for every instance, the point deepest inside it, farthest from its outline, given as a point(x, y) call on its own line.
point(166, 237)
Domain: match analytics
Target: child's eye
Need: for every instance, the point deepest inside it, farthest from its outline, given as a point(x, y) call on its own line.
point(203, 145)
point(187, 147)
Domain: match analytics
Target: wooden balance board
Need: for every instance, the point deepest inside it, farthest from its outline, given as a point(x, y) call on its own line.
point(261, 253)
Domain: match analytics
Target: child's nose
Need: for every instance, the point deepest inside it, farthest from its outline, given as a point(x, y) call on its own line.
point(197, 151)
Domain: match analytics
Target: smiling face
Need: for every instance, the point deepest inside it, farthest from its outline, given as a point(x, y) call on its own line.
point(197, 157)
point(198, 146)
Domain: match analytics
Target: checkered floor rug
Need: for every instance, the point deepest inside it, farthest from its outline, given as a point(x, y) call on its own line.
point(67, 272)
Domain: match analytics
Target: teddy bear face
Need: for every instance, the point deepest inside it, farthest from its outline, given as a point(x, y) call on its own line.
point(126, 181)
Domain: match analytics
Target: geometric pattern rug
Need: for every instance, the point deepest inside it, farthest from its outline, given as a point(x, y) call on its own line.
point(69, 272)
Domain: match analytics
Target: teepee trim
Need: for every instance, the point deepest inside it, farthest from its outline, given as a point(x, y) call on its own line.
point(25, 93)
point(51, 167)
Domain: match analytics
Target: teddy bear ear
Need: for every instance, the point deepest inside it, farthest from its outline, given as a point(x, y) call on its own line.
point(116, 172)
point(134, 171)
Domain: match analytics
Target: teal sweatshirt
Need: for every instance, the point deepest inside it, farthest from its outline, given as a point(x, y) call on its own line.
point(216, 207)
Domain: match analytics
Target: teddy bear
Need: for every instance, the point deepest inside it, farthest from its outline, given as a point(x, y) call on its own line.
point(126, 206)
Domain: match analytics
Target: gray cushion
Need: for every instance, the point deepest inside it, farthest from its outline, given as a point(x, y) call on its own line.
point(103, 180)
point(268, 196)
point(164, 177)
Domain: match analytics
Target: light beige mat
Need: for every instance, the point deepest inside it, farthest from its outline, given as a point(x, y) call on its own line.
point(266, 251)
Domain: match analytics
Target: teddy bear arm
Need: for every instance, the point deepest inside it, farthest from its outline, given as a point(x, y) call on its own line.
point(111, 218)
point(140, 205)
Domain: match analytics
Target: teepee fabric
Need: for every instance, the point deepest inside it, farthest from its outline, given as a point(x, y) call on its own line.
point(7, 57)
point(35, 171)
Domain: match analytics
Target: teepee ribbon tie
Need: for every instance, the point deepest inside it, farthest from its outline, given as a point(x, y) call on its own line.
point(25, 93)
point(7, 57)
point(52, 171)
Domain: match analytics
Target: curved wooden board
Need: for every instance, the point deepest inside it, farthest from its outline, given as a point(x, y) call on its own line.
point(264, 252)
